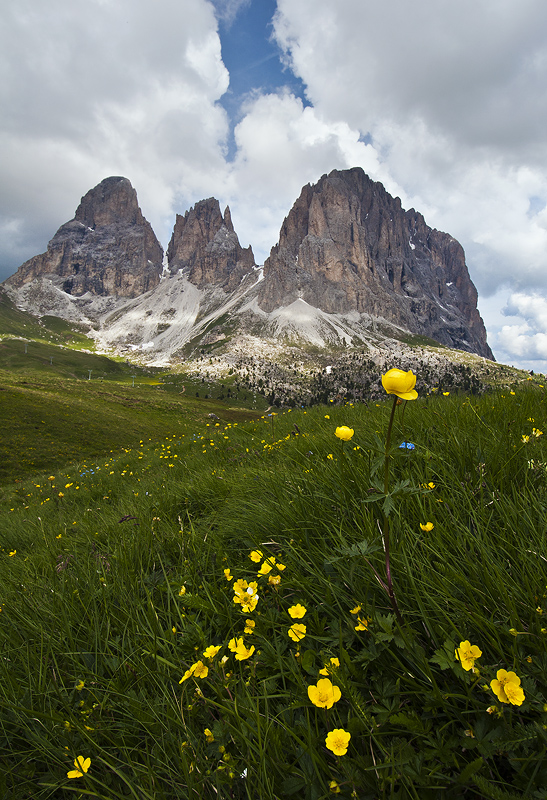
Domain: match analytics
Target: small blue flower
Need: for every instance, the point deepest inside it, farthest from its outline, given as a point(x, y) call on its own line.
point(407, 446)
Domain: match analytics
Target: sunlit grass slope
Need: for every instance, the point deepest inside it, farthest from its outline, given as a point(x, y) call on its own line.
point(203, 616)
point(59, 405)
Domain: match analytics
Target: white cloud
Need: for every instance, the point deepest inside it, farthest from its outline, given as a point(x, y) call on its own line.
point(453, 96)
point(98, 88)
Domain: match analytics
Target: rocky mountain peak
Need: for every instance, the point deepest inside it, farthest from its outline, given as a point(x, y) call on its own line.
point(348, 246)
point(112, 201)
point(109, 248)
point(205, 246)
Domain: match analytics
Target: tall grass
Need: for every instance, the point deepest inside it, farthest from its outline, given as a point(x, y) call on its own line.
point(119, 574)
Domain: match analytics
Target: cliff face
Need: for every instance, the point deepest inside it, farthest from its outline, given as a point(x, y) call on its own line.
point(109, 248)
point(205, 245)
point(347, 245)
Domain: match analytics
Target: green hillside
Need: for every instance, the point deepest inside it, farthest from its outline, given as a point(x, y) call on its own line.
point(263, 610)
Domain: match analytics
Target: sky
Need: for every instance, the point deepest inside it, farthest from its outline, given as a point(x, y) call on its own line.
point(248, 100)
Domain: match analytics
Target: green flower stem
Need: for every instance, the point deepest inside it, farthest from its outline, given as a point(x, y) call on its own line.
point(389, 582)
point(388, 443)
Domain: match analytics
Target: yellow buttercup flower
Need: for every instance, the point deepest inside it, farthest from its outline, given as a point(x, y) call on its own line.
point(362, 623)
point(297, 611)
point(400, 383)
point(344, 433)
point(428, 526)
point(242, 652)
point(197, 670)
point(506, 686)
point(228, 575)
point(81, 767)
point(255, 556)
point(324, 694)
point(249, 626)
point(467, 654)
point(267, 566)
point(211, 651)
point(338, 741)
point(297, 631)
point(209, 735)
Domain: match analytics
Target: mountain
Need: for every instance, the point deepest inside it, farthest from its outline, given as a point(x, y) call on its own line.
point(348, 246)
point(109, 248)
point(351, 268)
point(205, 245)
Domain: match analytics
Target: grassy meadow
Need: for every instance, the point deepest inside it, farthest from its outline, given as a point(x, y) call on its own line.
point(254, 608)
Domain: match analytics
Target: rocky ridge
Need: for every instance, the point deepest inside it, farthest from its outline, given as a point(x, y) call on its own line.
point(351, 268)
point(206, 247)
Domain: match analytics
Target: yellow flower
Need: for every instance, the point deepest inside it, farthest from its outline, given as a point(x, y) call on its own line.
point(344, 433)
point(338, 741)
point(525, 439)
point(182, 591)
point(211, 651)
point(297, 611)
point(267, 566)
point(355, 610)
point(445, 394)
point(467, 654)
point(255, 556)
point(79, 686)
point(400, 383)
point(12, 552)
point(334, 662)
point(428, 526)
point(324, 694)
point(198, 670)
point(297, 631)
point(506, 687)
point(330, 457)
point(82, 765)
point(228, 575)
point(249, 626)
point(246, 595)
point(201, 670)
point(362, 623)
point(334, 788)
point(274, 580)
point(327, 416)
point(238, 647)
point(209, 735)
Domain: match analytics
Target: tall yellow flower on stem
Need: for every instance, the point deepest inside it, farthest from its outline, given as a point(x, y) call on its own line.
point(344, 433)
point(400, 383)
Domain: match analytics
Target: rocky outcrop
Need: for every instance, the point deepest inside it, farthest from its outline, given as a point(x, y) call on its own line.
point(205, 245)
point(109, 248)
point(348, 246)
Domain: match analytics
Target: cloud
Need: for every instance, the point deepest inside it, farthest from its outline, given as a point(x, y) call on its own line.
point(98, 88)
